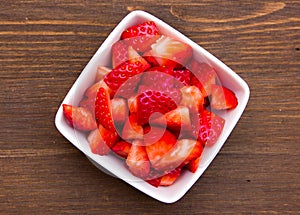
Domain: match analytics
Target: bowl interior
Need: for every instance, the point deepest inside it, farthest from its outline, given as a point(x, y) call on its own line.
point(115, 165)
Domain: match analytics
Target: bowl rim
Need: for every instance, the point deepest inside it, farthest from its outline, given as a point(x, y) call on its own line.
point(138, 184)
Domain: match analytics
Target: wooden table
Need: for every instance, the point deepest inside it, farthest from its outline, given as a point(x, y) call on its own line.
point(44, 45)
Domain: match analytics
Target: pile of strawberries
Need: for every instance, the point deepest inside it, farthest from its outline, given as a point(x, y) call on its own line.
point(154, 108)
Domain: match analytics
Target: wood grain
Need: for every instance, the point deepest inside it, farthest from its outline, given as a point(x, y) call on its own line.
point(44, 45)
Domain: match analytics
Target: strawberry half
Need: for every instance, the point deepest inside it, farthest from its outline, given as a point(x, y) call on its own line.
point(101, 140)
point(119, 110)
point(103, 113)
point(222, 98)
point(132, 130)
point(150, 102)
point(184, 76)
point(193, 165)
point(171, 52)
point(79, 117)
point(137, 160)
point(101, 72)
point(207, 127)
point(170, 177)
point(141, 36)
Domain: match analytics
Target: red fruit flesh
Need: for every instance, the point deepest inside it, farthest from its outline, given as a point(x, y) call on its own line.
point(119, 53)
point(79, 117)
point(131, 129)
point(137, 160)
point(122, 148)
point(222, 98)
point(101, 140)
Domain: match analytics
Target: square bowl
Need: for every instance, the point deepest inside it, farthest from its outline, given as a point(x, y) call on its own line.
point(114, 165)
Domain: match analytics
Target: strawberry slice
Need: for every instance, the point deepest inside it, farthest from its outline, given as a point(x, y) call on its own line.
point(101, 140)
point(158, 142)
point(184, 76)
point(222, 98)
point(141, 36)
point(103, 112)
point(122, 148)
point(150, 102)
point(79, 117)
point(126, 72)
point(137, 160)
point(119, 53)
point(119, 110)
point(131, 129)
point(176, 119)
point(170, 52)
point(204, 77)
point(101, 72)
point(181, 154)
point(207, 127)
point(193, 165)
point(192, 98)
point(170, 177)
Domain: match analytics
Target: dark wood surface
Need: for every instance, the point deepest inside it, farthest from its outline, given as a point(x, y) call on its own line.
point(44, 45)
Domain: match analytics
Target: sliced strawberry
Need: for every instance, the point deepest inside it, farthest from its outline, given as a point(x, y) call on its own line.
point(122, 148)
point(177, 119)
point(103, 112)
point(119, 53)
point(119, 110)
point(155, 182)
point(128, 73)
point(132, 104)
point(101, 72)
point(207, 127)
point(222, 98)
point(182, 153)
point(91, 92)
point(184, 76)
point(204, 77)
point(158, 142)
point(131, 129)
point(137, 160)
point(79, 117)
point(150, 59)
point(170, 177)
point(193, 165)
point(101, 140)
point(192, 98)
point(141, 36)
point(150, 102)
point(171, 52)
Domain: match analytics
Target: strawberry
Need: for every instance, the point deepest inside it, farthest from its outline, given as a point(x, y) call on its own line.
point(119, 53)
point(150, 59)
point(169, 178)
point(155, 182)
point(103, 112)
point(184, 76)
point(170, 52)
point(175, 119)
point(126, 74)
point(101, 140)
point(131, 129)
point(119, 110)
point(101, 72)
point(193, 165)
point(222, 98)
point(207, 127)
point(122, 148)
point(150, 102)
point(158, 142)
point(137, 160)
point(182, 153)
point(192, 98)
point(79, 117)
point(203, 77)
point(132, 104)
point(141, 36)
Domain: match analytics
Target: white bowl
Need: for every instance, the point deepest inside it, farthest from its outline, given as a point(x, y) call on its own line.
point(114, 165)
